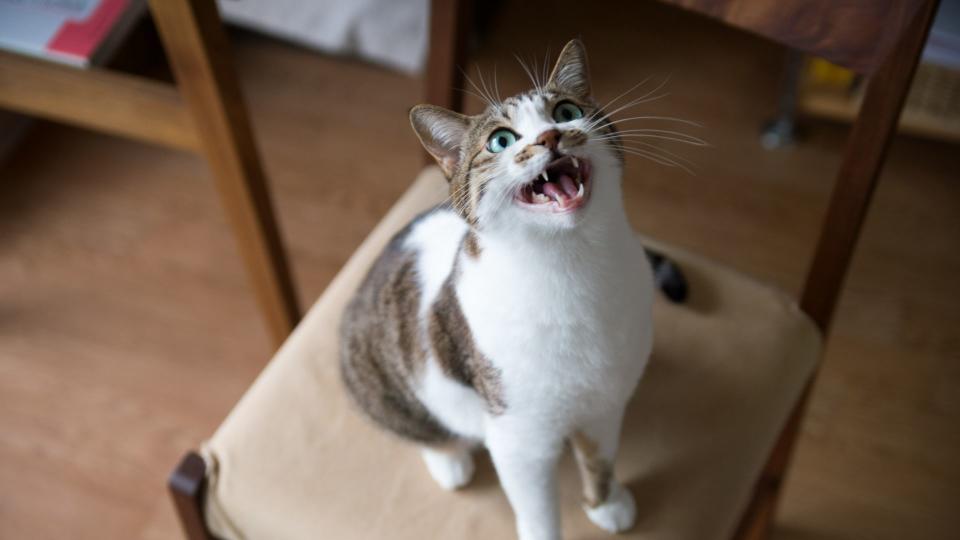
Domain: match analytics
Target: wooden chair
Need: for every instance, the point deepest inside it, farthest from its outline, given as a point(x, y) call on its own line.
point(203, 113)
point(246, 485)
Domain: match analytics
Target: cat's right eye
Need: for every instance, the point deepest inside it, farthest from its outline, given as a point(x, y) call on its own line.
point(500, 140)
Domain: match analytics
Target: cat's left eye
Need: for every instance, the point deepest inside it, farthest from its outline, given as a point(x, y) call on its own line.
point(566, 112)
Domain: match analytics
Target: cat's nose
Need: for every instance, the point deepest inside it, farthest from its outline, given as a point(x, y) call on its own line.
point(549, 138)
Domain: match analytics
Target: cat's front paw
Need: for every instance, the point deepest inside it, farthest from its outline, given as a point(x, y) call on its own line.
point(451, 469)
point(617, 514)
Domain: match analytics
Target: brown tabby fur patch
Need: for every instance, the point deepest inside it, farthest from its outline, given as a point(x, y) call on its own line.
point(384, 345)
point(596, 472)
point(380, 349)
point(454, 348)
point(471, 245)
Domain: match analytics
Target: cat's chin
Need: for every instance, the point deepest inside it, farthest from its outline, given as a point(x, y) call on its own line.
point(563, 187)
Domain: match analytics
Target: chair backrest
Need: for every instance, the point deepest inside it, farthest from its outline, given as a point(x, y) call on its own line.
point(856, 34)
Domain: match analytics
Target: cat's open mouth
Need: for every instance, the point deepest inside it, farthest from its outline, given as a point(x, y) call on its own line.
point(563, 186)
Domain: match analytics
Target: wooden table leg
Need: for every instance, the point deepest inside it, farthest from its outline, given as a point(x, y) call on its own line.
point(199, 54)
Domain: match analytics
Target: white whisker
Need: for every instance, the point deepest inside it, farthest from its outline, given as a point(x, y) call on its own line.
point(614, 100)
point(638, 101)
point(479, 93)
point(664, 118)
point(656, 148)
point(656, 158)
point(664, 134)
point(486, 91)
point(545, 71)
point(526, 69)
point(645, 98)
point(472, 93)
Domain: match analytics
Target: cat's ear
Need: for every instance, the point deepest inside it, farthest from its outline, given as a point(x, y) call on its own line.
point(442, 133)
point(570, 73)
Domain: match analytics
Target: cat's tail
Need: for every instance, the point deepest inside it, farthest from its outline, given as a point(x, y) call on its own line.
point(668, 277)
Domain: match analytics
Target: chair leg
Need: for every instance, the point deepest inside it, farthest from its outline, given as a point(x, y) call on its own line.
point(199, 54)
point(781, 130)
point(187, 485)
point(862, 162)
point(761, 511)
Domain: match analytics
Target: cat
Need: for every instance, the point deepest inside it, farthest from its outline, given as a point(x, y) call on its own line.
point(517, 315)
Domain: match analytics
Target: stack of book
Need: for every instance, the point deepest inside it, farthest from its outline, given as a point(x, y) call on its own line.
point(77, 32)
point(82, 33)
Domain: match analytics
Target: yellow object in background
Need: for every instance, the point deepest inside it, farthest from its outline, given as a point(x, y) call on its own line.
point(822, 73)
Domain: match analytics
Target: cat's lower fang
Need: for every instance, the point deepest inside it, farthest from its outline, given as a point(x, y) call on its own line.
point(580, 190)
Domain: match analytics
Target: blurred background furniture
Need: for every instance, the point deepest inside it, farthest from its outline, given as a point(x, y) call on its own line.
point(225, 489)
point(387, 32)
point(815, 87)
point(203, 113)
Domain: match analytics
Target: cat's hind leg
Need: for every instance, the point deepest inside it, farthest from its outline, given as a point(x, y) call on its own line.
point(607, 503)
point(450, 465)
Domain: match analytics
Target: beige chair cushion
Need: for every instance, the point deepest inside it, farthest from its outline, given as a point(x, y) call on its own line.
point(295, 460)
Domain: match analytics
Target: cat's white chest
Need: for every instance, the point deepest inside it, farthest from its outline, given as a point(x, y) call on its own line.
point(569, 334)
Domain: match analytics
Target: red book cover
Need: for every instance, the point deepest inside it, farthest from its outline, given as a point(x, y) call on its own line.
point(71, 31)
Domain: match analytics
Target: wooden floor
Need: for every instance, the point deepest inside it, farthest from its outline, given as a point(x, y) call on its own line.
point(127, 329)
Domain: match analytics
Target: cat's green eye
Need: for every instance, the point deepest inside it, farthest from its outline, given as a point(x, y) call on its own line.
point(566, 112)
point(500, 140)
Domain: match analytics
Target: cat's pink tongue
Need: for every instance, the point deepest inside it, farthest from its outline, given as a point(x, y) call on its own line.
point(568, 185)
point(550, 189)
point(561, 190)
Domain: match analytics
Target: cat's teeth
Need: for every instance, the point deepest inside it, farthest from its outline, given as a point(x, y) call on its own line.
point(575, 162)
point(580, 190)
point(544, 176)
point(540, 198)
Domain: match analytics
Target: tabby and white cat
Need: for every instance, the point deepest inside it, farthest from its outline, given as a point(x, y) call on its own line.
point(518, 314)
